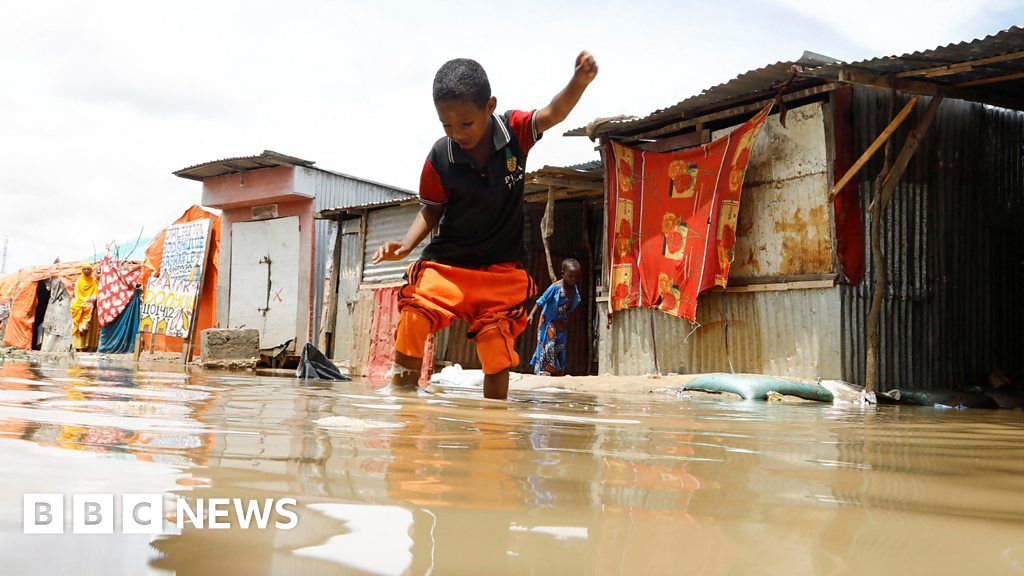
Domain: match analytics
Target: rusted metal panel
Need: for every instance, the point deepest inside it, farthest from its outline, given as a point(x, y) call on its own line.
point(954, 247)
point(336, 191)
point(362, 320)
point(783, 333)
point(784, 226)
point(382, 337)
point(626, 347)
point(385, 225)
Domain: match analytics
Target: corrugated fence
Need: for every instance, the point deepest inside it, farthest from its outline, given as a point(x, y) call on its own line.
point(952, 236)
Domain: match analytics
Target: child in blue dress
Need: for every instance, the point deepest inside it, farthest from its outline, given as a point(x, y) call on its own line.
point(555, 305)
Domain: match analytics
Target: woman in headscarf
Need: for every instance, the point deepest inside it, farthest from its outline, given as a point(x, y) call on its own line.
point(85, 328)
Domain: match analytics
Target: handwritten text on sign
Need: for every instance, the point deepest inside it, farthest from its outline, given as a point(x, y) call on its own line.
point(167, 306)
point(184, 247)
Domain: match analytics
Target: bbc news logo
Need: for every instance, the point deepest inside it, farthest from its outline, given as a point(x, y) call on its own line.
point(145, 513)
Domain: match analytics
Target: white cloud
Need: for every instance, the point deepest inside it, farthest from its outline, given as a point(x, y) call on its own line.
point(103, 100)
point(891, 27)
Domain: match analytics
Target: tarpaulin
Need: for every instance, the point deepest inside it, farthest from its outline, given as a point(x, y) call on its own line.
point(117, 285)
point(208, 299)
point(672, 220)
point(315, 366)
point(118, 337)
point(19, 288)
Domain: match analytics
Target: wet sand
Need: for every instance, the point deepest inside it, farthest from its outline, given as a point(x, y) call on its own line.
point(585, 480)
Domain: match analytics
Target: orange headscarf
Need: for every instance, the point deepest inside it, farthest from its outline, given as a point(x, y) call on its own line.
point(81, 303)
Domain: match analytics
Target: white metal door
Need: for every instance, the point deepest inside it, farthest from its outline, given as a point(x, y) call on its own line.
point(265, 279)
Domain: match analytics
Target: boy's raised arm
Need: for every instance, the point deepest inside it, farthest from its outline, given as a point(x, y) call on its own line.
point(563, 102)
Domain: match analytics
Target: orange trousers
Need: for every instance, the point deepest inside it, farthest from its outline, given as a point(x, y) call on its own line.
point(492, 299)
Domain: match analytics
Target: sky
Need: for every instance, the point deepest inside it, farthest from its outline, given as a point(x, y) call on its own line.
point(101, 101)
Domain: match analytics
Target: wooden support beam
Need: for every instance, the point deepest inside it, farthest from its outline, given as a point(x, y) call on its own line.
point(879, 141)
point(580, 183)
point(329, 301)
point(908, 150)
point(990, 80)
point(673, 143)
point(782, 286)
point(883, 193)
point(728, 113)
point(922, 88)
point(960, 67)
point(562, 194)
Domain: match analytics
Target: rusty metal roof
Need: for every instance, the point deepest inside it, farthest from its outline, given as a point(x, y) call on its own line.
point(748, 85)
point(267, 159)
point(978, 62)
point(993, 65)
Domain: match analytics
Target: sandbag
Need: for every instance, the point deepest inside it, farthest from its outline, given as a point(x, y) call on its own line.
point(756, 387)
point(937, 396)
point(315, 366)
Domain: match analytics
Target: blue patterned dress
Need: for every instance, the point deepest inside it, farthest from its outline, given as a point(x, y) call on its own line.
point(555, 306)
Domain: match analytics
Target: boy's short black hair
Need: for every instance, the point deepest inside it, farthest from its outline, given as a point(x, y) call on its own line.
point(570, 264)
point(462, 80)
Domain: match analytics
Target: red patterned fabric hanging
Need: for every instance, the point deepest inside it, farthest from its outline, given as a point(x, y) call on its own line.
point(117, 284)
point(672, 220)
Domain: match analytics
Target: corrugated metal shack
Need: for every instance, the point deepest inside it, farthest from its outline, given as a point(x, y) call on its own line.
point(362, 295)
point(272, 264)
point(802, 281)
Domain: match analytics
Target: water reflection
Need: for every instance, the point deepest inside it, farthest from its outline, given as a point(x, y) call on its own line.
point(552, 482)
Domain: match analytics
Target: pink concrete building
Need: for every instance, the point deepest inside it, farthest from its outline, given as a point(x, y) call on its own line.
point(273, 252)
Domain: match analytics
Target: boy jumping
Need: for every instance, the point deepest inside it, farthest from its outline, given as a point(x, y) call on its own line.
point(472, 185)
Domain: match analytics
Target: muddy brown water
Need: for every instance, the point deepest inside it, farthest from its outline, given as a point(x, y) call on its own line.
point(548, 483)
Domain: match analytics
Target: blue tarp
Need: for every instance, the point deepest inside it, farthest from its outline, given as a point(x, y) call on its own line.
point(118, 337)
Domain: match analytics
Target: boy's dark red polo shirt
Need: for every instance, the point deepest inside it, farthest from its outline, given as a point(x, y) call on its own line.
point(483, 205)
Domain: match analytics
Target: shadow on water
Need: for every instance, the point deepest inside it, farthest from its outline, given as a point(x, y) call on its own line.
point(551, 482)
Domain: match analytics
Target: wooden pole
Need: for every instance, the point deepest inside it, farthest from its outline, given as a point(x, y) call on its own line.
point(591, 292)
point(329, 305)
point(885, 187)
point(879, 141)
point(187, 352)
point(547, 230)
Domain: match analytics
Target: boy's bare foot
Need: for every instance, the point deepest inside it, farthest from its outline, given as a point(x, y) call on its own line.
point(405, 373)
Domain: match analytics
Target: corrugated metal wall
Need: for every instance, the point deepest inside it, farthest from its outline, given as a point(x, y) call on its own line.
point(784, 226)
point(952, 235)
point(784, 230)
point(349, 259)
point(782, 333)
point(334, 191)
point(383, 226)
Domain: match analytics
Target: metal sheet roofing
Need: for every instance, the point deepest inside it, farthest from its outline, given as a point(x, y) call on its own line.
point(976, 62)
point(267, 159)
point(992, 65)
point(747, 85)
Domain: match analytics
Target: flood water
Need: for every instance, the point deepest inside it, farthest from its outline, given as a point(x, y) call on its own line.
point(549, 483)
